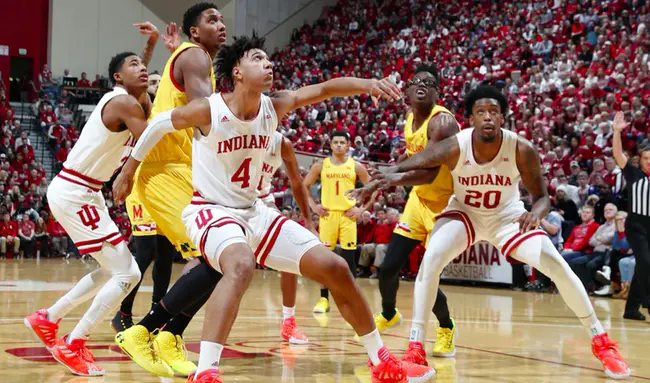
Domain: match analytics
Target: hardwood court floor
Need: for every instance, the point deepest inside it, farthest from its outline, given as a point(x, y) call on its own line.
point(504, 336)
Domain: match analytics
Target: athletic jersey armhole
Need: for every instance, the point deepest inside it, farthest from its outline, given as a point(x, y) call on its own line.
point(171, 69)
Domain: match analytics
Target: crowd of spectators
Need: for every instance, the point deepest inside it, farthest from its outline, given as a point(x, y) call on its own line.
point(566, 66)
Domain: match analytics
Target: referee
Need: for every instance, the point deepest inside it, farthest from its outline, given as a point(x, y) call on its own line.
point(637, 226)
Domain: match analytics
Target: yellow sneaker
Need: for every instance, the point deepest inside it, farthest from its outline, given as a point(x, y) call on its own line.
point(322, 306)
point(172, 351)
point(382, 323)
point(445, 345)
point(141, 346)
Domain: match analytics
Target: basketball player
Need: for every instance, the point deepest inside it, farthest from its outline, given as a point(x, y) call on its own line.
point(77, 202)
point(203, 278)
point(487, 163)
point(427, 124)
point(226, 218)
point(163, 184)
point(149, 246)
point(338, 214)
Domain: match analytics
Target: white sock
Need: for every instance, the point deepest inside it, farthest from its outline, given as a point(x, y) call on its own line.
point(106, 301)
point(209, 356)
point(373, 343)
point(417, 333)
point(288, 312)
point(85, 289)
point(592, 324)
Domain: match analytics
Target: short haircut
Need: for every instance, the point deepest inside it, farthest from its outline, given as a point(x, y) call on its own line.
point(341, 133)
point(116, 64)
point(644, 146)
point(485, 91)
point(229, 56)
point(380, 209)
point(192, 15)
point(431, 69)
point(588, 207)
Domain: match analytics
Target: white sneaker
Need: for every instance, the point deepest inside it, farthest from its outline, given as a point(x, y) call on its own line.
point(604, 275)
point(603, 291)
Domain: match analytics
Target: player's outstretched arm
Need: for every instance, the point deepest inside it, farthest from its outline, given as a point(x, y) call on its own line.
point(531, 175)
point(445, 152)
point(300, 192)
point(196, 113)
point(287, 100)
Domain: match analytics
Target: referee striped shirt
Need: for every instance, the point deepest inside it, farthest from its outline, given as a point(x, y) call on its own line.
point(638, 190)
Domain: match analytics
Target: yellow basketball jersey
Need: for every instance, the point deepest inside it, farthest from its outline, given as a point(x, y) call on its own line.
point(176, 146)
point(335, 181)
point(442, 186)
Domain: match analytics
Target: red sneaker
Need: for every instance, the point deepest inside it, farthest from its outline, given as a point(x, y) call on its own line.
point(44, 328)
point(606, 350)
point(415, 354)
point(291, 333)
point(391, 370)
point(77, 357)
point(207, 376)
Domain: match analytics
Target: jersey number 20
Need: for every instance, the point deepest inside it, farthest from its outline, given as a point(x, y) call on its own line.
point(242, 174)
point(489, 199)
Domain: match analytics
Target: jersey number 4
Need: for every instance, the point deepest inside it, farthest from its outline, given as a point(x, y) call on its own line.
point(243, 175)
point(488, 200)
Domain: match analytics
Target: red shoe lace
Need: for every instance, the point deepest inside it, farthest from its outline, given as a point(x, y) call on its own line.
point(83, 351)
point(391, 368)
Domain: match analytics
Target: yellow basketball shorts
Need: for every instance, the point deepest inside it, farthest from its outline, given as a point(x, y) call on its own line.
point(418, 217)
point(141, 222)
point(337, 228)
point(166, 190)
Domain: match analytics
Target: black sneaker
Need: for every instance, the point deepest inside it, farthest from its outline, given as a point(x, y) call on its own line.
point(121, 322)
point(634, 315)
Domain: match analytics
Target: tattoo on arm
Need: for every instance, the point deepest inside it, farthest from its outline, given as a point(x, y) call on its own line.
point(147, 52)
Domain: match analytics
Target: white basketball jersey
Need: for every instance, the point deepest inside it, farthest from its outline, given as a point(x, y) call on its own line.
point(490, 188)
point(272, 162)
point(227, 163)
point(99, 152)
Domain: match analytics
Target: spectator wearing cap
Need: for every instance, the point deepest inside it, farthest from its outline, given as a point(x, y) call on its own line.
point(565, 206)
point(359, 152)
point(574, 171)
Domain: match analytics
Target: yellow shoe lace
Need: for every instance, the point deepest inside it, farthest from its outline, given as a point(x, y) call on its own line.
point(180, 348)
point(154, 347)
point(444, 337)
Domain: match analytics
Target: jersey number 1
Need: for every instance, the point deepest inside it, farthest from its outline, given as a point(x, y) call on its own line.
point(243, 175)
point(491, 199)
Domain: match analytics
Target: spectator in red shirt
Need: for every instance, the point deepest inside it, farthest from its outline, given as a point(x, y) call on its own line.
point(41, 237)
point(8, 235)
point(588, 152)
point(59, 237)
point(83, 82)
point(95, 83)
point(386, 222)
point(577, 244)
point(48, 117)
point(62, 155)
point(26, 232)
point(56, 135)
point(34, 177)
point(365, 228)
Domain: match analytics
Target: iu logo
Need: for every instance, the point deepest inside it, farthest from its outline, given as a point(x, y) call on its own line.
point(89, 216)
point(203, 218)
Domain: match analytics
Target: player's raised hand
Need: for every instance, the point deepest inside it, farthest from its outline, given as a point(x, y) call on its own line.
point(528, 221)
point(385, 88)
point(122, 186)
point(148, 29)
point(619, 122)
point(172, 37)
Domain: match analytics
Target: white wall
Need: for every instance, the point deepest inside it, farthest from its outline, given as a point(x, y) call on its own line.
point(275, 19)
point(85, 34)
